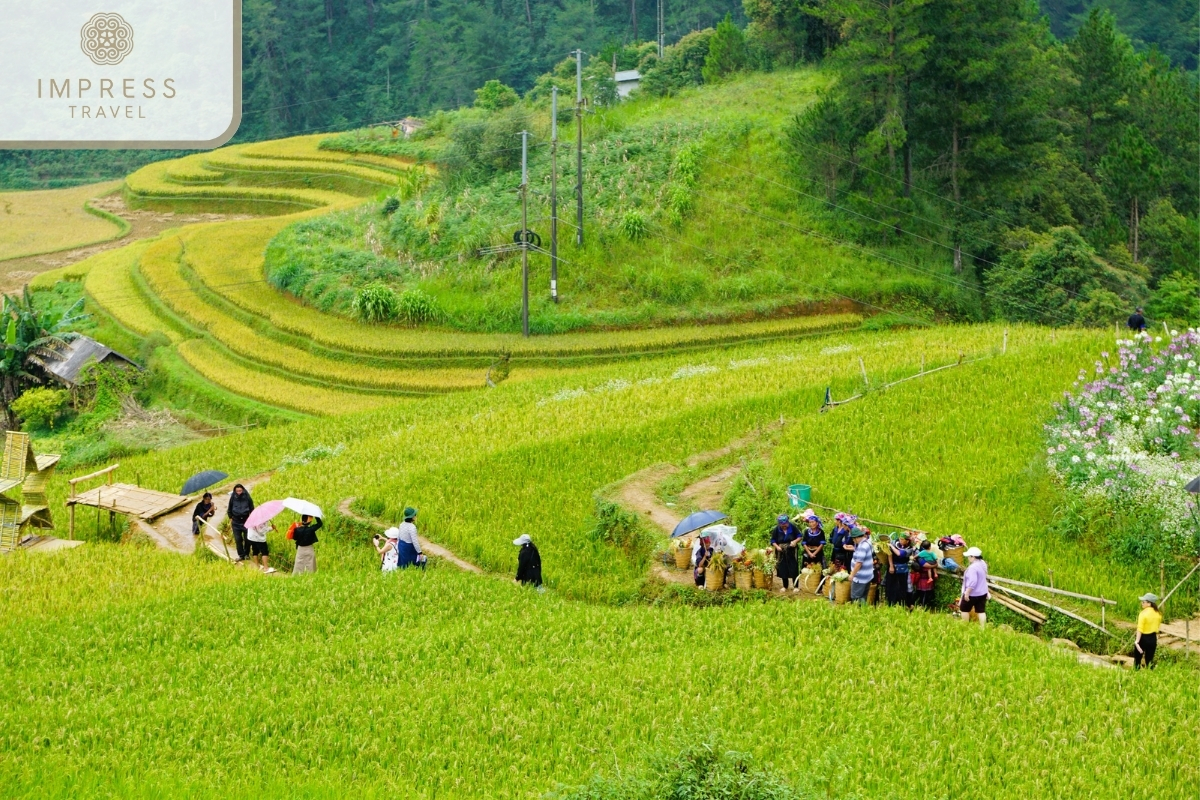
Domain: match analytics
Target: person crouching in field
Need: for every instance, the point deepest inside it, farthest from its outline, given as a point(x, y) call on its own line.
point(305, 536)
point(529, 561)
point(1146, 640)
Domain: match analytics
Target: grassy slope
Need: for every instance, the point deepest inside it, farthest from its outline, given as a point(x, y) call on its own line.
point(742, 250)
point(449, 685)
point(454, 686)
point(53, 219)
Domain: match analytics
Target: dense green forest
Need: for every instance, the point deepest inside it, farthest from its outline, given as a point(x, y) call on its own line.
point(313, 65)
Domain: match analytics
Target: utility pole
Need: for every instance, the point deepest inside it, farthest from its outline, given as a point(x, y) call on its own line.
point(524, 233)
point(579, 148)
point(554, 193)
point(662, 17)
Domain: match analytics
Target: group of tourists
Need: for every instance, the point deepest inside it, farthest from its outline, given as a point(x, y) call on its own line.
point(250, 543)
point(905, 565)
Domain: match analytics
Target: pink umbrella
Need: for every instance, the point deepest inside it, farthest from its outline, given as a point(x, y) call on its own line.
point(264, 513)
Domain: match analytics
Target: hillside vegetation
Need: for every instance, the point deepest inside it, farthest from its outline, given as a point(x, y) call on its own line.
point(674, 229)
point(440, 662)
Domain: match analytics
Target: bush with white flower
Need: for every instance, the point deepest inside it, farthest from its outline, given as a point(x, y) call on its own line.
point(1127, 438)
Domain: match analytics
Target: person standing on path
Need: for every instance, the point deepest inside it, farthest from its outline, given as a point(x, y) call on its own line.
point(975, 589)
point(702, 553)
point(305, 536)
point(529, 561)
point(925, 576)
point(899, 555)
point(862, 565)
point(408, 543)
point(813, 543)
point(238, 510)
point(203, 512)
point(1136, 322)
point(840, 540)
point(784, 539)
point(256, 543)
point(1145, 641)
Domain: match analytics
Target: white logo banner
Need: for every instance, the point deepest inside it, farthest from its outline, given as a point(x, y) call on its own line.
point(120, 73)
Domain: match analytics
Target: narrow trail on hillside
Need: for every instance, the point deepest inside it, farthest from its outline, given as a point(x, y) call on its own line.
point(429, 547)
point(174, 531)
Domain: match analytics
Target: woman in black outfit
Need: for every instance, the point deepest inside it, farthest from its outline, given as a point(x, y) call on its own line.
point(240, 506)
point(529, 561)
point(703, 556)
point(784, 540)
point(203, 512)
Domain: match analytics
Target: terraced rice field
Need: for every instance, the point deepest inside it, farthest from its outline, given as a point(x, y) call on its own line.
point(46, 221)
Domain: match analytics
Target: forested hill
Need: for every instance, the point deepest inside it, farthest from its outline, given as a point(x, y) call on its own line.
point(333, 64)
point(1171, 26)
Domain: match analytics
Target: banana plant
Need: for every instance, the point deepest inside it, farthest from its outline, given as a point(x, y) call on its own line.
point(32, 338)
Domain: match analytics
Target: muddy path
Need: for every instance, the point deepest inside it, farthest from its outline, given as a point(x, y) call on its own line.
point(430, 548)
point(16, 272)
point(174, 531)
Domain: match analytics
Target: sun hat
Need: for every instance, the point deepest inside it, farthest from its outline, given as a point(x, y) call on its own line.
point(410, 513)
point(857, 532)
point(522, 540)
point(1149, 597)
point(973, 552)
point(392, 533)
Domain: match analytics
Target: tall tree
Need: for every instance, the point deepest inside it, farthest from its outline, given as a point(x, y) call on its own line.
point(884, 50)
point(1133, 168)
point(1102, 62)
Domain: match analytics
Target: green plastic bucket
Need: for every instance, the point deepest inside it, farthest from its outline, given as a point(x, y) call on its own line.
point(799, 494)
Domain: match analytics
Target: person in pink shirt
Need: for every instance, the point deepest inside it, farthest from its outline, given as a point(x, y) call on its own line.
point(975, 588)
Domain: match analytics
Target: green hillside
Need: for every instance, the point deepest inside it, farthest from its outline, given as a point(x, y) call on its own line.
point(688, 216)
point(149, 671)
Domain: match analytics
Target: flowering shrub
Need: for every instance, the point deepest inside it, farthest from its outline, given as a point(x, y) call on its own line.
point(1127, 440)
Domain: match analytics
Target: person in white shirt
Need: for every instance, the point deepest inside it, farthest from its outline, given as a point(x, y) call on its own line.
point(408, 543)
point(386, 547)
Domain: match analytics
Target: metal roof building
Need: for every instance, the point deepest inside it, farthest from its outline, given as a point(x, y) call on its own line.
point(78, 354)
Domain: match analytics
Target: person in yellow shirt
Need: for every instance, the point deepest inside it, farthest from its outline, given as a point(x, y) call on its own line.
point(1146, 640)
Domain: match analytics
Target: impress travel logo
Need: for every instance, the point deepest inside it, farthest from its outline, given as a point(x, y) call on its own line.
point(106, 38)
point(71, 76)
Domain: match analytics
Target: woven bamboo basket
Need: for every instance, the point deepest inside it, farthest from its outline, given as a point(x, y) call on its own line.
point(810, 582)
point(683, 558)
point(714, 579)
point(841, 592)
point(872, 594)
point(957, 554)
point(743, 579)
point(762, 580)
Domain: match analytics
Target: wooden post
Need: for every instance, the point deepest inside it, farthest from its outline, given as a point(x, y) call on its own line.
point(863, 367)
point(1102, 625)
point(1004, 347)
point(71, 524)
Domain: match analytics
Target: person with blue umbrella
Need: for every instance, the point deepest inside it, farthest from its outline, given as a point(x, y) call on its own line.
point(784, 541)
